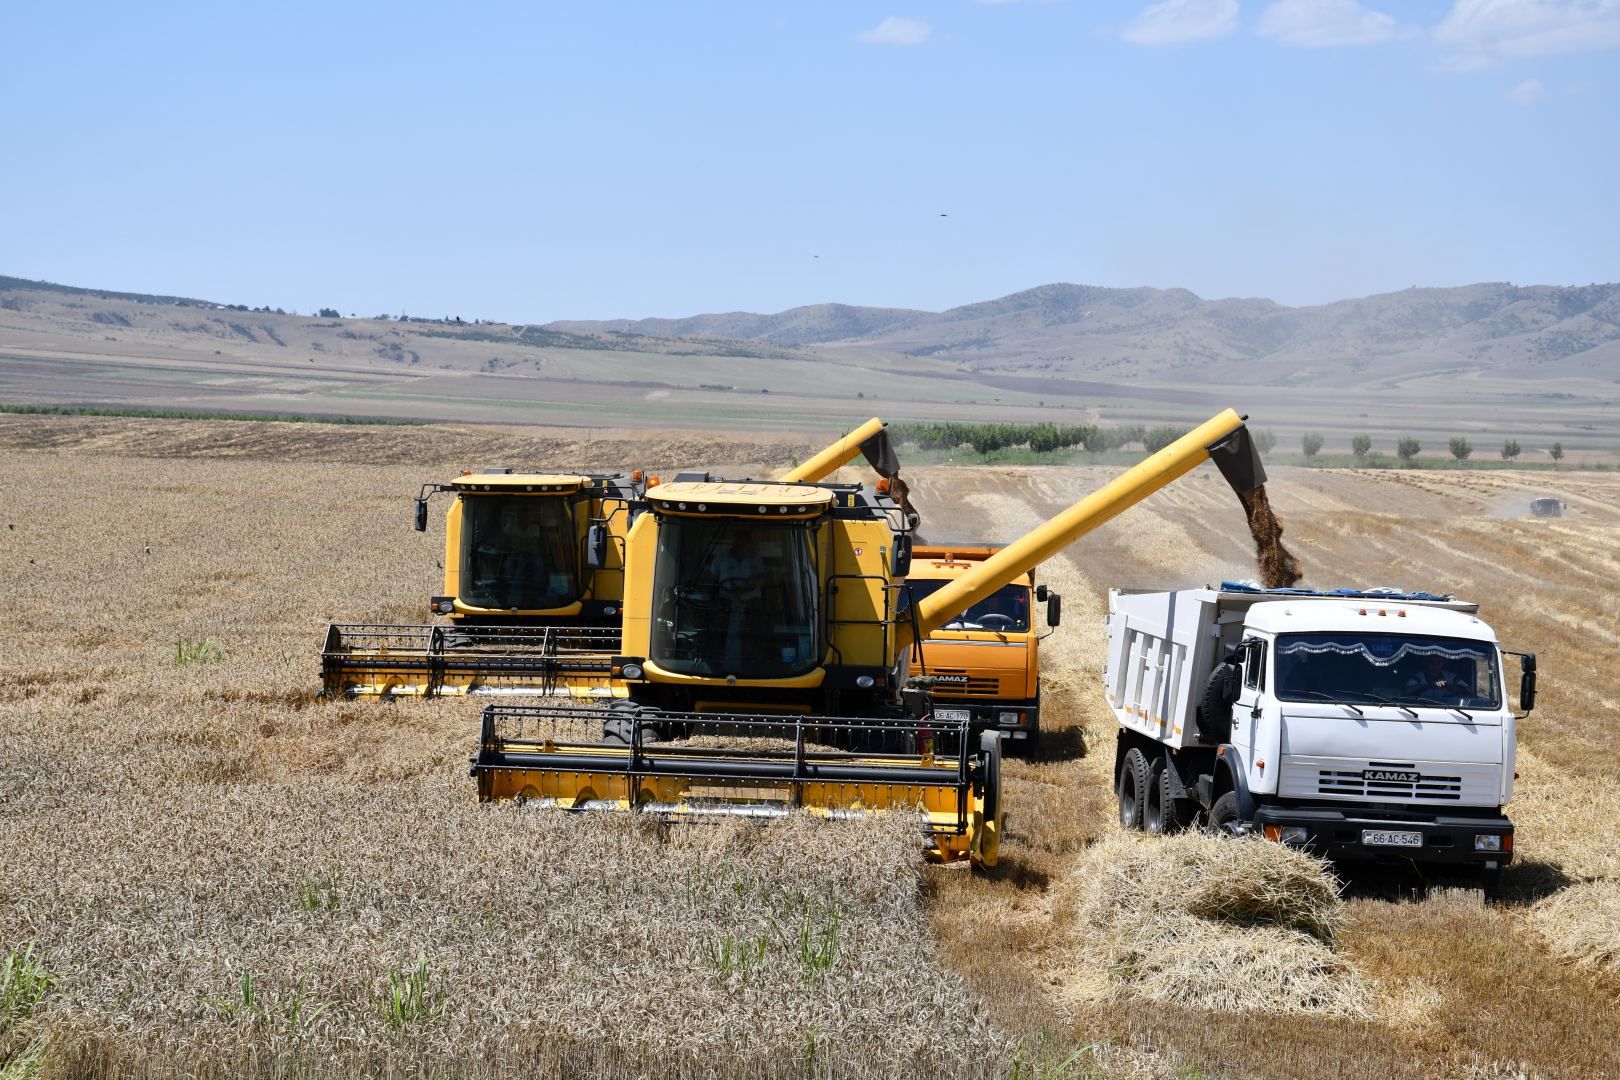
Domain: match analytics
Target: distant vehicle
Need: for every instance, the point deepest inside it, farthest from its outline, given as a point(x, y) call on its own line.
point(1547, 506)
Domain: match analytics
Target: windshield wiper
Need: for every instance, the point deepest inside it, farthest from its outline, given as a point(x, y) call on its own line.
point(1392, 703)
point(1330, 699)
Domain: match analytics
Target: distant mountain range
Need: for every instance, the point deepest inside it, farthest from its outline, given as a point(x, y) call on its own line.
point(1062, 329)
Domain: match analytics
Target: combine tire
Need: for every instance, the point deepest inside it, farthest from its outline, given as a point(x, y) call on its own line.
point(990, 757)
point(1133, 779)
point(1223, 815)
point(619, 727)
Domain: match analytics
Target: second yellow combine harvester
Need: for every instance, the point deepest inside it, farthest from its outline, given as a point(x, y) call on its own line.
point(766, 666)
point(533, 585)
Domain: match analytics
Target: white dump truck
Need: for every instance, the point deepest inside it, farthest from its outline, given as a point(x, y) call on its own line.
point(1361, 725)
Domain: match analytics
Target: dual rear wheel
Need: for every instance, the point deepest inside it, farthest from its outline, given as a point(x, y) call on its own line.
point(1146, 791)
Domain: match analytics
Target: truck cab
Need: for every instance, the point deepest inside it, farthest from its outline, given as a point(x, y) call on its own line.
point(1362, 725)
point(983, 665)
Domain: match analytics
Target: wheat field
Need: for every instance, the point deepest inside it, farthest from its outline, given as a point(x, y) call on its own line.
point(210, 872)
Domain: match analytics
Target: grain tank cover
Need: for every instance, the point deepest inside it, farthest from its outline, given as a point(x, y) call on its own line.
point(522, 483)
point(758, 501)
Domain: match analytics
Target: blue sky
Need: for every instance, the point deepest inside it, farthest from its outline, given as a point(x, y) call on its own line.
point(530, 162)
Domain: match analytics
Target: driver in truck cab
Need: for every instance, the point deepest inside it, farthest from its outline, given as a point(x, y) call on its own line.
point(1434, 681)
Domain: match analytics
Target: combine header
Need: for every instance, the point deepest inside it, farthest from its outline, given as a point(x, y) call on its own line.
point(761, 626)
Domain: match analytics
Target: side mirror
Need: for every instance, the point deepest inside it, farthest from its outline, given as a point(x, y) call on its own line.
point(1054, 609)
point(1040, 594)
point(421, 515)
point(1527, 682)
point(902, 556)
point(596, 547)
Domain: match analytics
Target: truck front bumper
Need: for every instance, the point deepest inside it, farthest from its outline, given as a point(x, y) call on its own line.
point(1016, 720)
point(1356, 835)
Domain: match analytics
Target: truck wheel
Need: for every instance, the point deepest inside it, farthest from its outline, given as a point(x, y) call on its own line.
point(1155, 812)
point(1223, 815)
point(1173, 814)
point(1133, 782)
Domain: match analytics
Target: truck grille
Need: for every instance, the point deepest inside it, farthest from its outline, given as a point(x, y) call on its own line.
point(1346, 783)
point(974, 686)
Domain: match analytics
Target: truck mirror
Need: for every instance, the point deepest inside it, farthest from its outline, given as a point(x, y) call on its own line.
point(596, 547)
point(421, 515)
point(1527, 682)
point(902, 556)
point(1054, 609)
point(1040, 594)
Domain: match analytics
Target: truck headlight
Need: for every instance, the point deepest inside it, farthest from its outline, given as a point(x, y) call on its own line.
point(1487, 842)
point(1285, 834)
point(1008, 718)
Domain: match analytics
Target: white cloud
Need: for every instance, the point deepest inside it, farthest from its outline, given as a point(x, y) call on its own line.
point(1318, 24)
point(1481, 31)
point(896, 31)
point(1177, 22)
point(1527, 93)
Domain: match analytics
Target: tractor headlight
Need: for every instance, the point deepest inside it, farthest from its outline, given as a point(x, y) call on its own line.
point(1487, 842)
point(631, 671)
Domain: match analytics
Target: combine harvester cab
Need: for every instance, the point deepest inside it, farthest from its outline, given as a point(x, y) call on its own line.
point(533, 585)
point(983, 666)
point(767, 665)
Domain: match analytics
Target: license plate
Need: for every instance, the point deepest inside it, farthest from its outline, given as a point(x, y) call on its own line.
point(1390, 838)
point(951, 716)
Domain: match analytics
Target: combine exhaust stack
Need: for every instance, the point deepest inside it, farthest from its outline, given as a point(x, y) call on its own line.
point(369, 660)
point(748, 765)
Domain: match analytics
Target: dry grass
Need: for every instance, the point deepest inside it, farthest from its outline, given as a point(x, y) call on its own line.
point(166, 826)
point(1206, 922)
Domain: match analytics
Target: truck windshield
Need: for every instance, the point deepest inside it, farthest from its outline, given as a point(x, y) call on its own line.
point(735, 598)
point(518, 551)
point(1006, 610)
point(1421, 672)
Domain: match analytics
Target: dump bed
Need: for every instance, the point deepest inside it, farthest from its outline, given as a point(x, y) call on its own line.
point(1162, 646)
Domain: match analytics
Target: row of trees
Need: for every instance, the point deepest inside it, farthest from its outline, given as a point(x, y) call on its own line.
point(1041, 438)
point(1046, 438)
point(1407, 448)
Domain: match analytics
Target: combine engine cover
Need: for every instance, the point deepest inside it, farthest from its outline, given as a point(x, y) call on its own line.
point(748, 765)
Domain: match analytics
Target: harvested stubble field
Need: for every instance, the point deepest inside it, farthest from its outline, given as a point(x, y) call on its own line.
point(177, 811)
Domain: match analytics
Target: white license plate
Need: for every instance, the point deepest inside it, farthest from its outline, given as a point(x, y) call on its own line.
point(951, 716)
point(1389, 838)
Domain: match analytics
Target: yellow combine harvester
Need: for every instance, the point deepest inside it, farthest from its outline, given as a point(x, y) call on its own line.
point(767, 668)
point(533, 586)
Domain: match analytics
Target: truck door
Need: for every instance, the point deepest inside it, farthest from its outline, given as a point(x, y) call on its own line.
point(1255, 730)
point(1251, 660)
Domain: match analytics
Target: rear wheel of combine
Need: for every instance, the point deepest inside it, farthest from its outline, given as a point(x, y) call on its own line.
point(619, 726)
point(1131, 788)
point(990, 756)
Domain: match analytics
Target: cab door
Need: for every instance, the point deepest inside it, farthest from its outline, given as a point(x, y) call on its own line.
point(1255, 730)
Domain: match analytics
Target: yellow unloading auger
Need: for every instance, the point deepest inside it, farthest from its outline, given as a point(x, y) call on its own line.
point(756, 694)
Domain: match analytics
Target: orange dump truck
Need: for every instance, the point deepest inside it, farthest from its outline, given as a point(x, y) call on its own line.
point(985, 663)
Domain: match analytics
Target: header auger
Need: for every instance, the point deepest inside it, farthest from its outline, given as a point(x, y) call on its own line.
point(760, 626)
